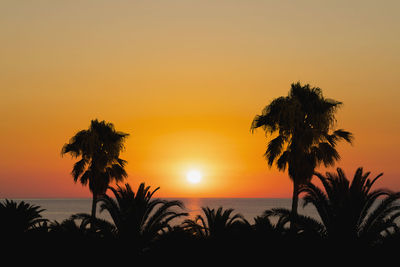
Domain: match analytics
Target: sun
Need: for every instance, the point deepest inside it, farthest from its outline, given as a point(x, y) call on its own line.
point(194, 176)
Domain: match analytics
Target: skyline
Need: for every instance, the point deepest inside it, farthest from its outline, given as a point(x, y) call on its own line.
point(185, 80)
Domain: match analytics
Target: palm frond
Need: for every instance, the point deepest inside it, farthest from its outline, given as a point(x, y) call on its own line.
point(283, 160)
point(20, 217)
point(274, 149)
point(384, 208)
point(345, 135)
point(78, 169)
point(163, 212)
point(136, 215)
point(319, 200)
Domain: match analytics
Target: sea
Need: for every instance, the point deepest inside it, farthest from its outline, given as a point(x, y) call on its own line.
point(61, 209)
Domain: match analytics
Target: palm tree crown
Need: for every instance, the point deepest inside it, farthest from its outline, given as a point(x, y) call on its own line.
point(99, 148)
point(137, 215)
point(216, 223)
point(351, 210)
point(18, 218)
point(300, 127)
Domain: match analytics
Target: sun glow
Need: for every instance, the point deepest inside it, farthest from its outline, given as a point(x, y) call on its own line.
point(193, 176)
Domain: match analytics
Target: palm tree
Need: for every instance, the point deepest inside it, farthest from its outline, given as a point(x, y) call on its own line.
point(216, 223)
point(98, 148)
point(137, 216)
point(300, 131)
point(18, 218)
point(351, 211)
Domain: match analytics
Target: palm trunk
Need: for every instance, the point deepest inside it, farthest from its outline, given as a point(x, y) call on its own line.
point(94, 204)
point(295, 203)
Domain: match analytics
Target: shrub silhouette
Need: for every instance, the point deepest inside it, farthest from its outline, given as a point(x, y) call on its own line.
point(16, 219)
point(217, 223)
point(352, 211)
point(137, 216)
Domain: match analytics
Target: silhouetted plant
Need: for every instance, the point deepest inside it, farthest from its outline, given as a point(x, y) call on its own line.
point(268, 231)
point(103, 228)
point(273, 230)
point(18, 218)
point(80, 236)
point(137, 216)
point(351, 211)
point(70, 227)
point(79, 225)
point(300, 127)
point(264, 224)
point(305, 225)
point(216, 223)
point(99, 148)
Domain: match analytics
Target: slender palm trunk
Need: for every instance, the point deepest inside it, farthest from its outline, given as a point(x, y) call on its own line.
point(94, 204)
point(295, 198)
point(295, 202)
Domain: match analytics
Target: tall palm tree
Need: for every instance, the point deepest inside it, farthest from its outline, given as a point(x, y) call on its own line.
point(216, 223)
point(98, 148)
point(137, 216)
point(351, 210)
point(300, 129)
point(18, 218)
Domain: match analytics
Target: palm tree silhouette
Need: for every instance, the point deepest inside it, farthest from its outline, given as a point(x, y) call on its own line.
point(216, 223)
point(351, 211)
point(18, 218)
point(300, 127)
point(99, 148)
point(137, 216)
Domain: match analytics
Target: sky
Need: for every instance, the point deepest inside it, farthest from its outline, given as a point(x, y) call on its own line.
point(185, 79)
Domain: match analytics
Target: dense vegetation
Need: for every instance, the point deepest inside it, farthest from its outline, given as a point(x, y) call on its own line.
point(353, 216)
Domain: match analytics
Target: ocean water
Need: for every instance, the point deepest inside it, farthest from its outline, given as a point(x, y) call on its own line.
point(61, 209)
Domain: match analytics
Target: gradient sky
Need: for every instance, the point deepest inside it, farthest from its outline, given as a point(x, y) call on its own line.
point(185, 79)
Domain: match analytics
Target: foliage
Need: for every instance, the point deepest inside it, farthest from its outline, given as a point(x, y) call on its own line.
point(352, 210)
point(142, 227)
point(305, 225)
point(137, 216)
point(300, 128)
point(98, 148)
point(216, 223)
point(18, 218)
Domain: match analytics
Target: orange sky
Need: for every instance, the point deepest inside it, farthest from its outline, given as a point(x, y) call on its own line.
point(185, 79)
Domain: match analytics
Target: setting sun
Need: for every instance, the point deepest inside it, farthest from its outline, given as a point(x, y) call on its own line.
point(185, 81)
point(193, 176)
